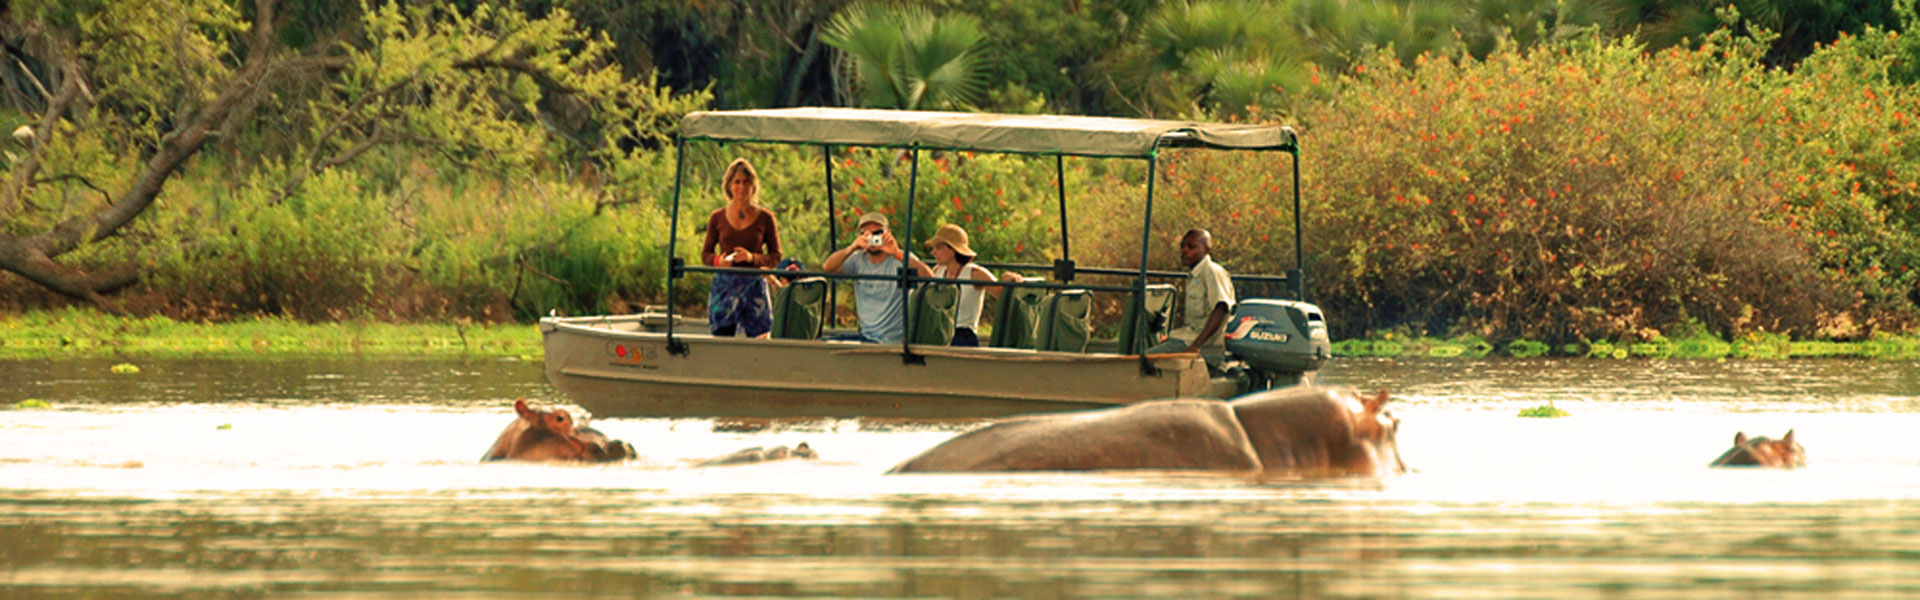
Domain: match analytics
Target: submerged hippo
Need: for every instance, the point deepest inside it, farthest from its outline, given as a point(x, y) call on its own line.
point(1783, 453)
point(760, 455)
point(553, 435)
point(1299, 431)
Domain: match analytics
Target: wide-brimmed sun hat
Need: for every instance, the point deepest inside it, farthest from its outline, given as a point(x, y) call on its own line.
point(953, 236)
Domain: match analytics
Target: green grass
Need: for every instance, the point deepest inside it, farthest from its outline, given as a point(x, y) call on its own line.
point(81, 333)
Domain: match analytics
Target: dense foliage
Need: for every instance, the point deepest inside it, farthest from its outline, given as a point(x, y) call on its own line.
point(1496, 170)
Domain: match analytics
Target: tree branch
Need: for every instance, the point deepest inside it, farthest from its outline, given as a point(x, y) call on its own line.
point(24, 174)
point(175, 148)
point(104, 194)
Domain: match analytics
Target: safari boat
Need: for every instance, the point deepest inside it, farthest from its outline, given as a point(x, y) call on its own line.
point(1040, 357)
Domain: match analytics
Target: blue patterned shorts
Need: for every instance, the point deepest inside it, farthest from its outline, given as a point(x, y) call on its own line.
point(739, 302)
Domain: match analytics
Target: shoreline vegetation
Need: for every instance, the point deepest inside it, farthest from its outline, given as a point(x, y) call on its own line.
point(75, 333)
point(1549, 183)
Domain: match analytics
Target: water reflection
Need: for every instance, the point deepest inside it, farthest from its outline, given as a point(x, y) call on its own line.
point(359, 479)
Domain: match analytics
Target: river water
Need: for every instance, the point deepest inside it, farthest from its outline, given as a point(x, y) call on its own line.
point(358, 479)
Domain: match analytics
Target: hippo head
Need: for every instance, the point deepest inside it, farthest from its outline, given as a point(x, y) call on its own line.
point(1377, 430)
point(802, 451)
point(552, 434)
point(1321, 431)
point(1783, 453)
point(556, 420)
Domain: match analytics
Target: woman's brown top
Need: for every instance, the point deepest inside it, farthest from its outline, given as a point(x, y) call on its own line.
point(761, 236)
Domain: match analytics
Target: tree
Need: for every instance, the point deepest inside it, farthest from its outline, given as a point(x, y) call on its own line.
point(907, 57)
point(134, 90)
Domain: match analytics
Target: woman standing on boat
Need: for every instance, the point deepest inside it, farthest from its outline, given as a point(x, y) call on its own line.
point(749, 238)
point(953, 259)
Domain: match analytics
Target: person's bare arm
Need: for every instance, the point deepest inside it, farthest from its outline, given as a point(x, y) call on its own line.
point(1009, 277)
point(919, 267)
point(981, 274)
point(839, 257)
point(1215, 320)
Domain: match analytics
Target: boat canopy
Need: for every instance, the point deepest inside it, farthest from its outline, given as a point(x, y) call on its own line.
point(1026, 134)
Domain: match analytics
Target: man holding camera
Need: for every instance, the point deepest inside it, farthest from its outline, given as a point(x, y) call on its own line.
point(882, 308)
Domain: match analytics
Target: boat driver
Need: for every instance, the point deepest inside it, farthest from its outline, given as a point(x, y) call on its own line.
point(881, 306)
point(1209, 300)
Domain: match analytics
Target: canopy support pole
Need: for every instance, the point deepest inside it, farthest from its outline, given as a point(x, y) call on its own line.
point(1060, 179)
point(833, 234)
point(906, 267)
point(1297, 279)
point(1146, 241)
point(674, 264)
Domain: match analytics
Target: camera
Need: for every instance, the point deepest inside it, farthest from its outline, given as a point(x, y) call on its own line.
point(877, 241)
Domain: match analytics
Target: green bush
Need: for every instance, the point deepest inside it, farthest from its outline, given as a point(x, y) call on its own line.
point(325, 252)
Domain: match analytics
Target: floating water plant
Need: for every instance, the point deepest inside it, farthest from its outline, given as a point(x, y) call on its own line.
point(125, 369)
point(1526, 348)
point(1544, 411)
point(31, 403)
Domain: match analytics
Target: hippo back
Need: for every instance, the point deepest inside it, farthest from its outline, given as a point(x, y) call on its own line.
point(1321, 431)
point(760, 455)
point(602, 448)
point(1164, 434)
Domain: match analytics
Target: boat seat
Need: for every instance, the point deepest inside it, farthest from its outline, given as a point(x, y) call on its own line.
point(1140, 331)
point(1018, 316)
point(1064, 320)
point(798, 309)
point(932, 309)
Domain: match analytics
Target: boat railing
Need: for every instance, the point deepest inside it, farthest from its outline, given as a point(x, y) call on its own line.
point(911, 279)
point(1284, 280)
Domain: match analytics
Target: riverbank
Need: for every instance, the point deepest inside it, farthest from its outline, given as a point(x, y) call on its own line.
point(81, 333)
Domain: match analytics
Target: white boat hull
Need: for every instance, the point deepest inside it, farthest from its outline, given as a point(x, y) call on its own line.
point(620, 367)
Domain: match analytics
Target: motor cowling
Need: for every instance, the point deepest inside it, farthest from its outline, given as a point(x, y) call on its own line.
point(1281, 339)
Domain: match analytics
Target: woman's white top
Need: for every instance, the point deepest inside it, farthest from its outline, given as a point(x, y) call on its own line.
point(967, 314)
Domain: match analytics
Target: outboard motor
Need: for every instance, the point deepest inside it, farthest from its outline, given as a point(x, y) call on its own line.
point(1278, 342)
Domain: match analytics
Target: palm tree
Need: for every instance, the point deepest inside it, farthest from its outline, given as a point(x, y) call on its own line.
point(907, 57)
point(1801, 24)
point(1218, 56)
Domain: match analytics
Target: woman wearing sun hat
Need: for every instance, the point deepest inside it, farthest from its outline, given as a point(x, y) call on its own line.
point(954, 260)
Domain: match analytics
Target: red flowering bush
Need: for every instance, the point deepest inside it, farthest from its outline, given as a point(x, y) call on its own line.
point(1584, 190)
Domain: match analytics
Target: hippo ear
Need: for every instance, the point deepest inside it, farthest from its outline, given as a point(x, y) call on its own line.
point(1788, 438)
point(520, 406)
point(1374, 402)
point(804, 446)
point(1740, 438)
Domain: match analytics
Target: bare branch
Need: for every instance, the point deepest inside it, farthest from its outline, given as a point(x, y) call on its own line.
point(24, 174)
point(104, 194)
point(28, 72)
